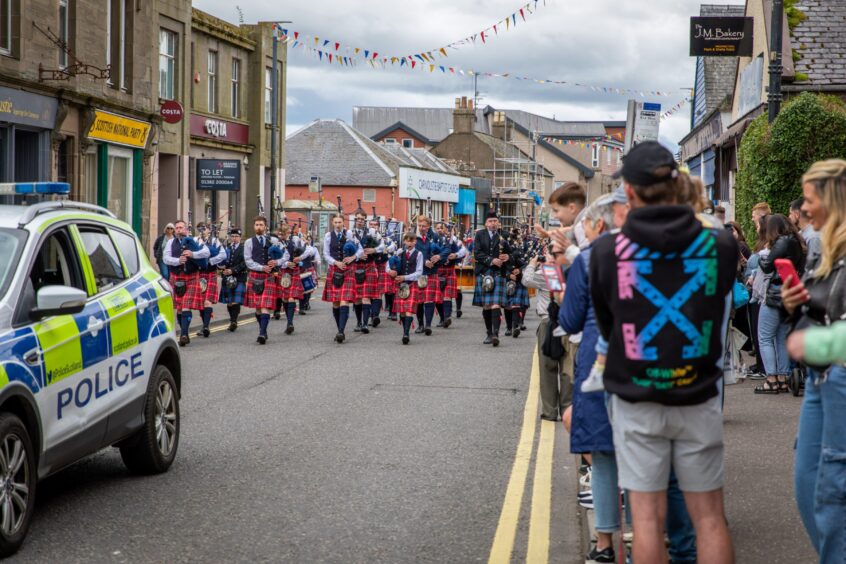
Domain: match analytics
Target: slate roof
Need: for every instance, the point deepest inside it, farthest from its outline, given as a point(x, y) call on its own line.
point(820, 40)
point(720, 74)
point(342, 156)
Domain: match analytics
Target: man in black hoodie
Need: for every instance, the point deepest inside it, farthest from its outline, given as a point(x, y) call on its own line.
point(659, 290)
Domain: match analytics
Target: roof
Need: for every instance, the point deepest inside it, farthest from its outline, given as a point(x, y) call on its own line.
point(343, 156)
point(586, 170)
point(410, 130)
point(506, 150)
point(549, 126)
point(820, 40)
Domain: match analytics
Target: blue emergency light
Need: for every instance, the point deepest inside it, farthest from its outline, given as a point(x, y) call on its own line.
point(24, 188)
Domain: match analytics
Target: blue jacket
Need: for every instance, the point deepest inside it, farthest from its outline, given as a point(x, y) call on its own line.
point(590, 430)
point(429, 249)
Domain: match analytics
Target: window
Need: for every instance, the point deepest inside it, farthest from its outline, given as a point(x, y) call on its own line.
point(236, 88)
point(167, 64)
point(390, 141)
point(122, 58)
point(56, 264)
point(408, 143)
point(594, 155)
point(268, 95)
point(104, 259)
point(6, 27)
point(11, 243)
point(64, 35)
point(128, 250)
point(212, 70)
point(119, 195)
point(119, 38)
point(368, 195)
point(109, 37)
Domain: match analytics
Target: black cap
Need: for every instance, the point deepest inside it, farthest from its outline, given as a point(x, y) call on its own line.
point(642, 160)
point(234, 231)
point(491, 215)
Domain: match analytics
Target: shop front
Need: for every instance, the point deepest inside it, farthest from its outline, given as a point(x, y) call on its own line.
point(113, 165)
point(425, 192)
point(26, 124)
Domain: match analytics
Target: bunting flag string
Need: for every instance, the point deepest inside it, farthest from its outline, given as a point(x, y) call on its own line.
point(427, 56)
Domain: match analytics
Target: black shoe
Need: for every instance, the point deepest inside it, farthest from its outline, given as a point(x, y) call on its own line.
point(365, 330)
point(508, 332)
point(232, 326)
point(376, 321)
point(515, 333)
point(392, 317)
point(419, 330)
point(357, 328)
point(307, 307)
point(488, 340)
point(440, 324)
point(262, 339)
point(206, 332)
point(277, 315)
point(302, 312)
point(606, 555)
point(289, 329)
point(458, 313)
point(495, 340)
point(184, 340)
point(545, 418)
point(522, 328)
point(339, 338)
point(428, 331)
point(405, 339)
point(447, 322)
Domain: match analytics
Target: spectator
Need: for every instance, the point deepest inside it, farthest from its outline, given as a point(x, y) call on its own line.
point(663, 404)
point(720, 213)
point(760, 210)
point(757, 282)
point(784, 242)
point(158, 249)
point(821, 442)
point(567, 202)
point(809, 234)
point(742, 320)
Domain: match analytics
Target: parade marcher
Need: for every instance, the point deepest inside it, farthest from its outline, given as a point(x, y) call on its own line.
point(310, 260)
point(262, 285)
point(490, 254)
point(184, 256)
point(234, 281)
point(447, 275)
point(385, 284)
point(159, 245)
point(405, 268)
point(365, 272)
point(290, 282)
point(208, 275)
point(427, 245)
point(340, 250)
point(516, 294)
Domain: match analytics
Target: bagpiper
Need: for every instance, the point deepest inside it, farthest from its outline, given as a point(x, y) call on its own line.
point(208, 275)
point(290, 282)
point(262, 284)
point(365, 272)
point(340, 250)
point(405, 268)
point(447, 274)
point(516, 294)
point(310, 261)
point(234, 279)
point(185, 257)
point(385, 284)
point(490, 253)
point(427, 245)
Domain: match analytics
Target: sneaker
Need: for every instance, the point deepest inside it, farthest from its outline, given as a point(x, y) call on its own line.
point(184, 340)
point(515, 333)
point(594, 381)
point(756, 376)
point(628, 537)
point(419, 330)
point(584, 481)
point(488, 340)
point(585, 494)
point(508, 332)
point(586, 502)
point(447, 322)
point(522, 328)
point(606, 555)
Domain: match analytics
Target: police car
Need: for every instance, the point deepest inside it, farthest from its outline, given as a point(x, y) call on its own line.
point(88, 355)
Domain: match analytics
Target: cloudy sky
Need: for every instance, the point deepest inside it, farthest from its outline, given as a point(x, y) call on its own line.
point(637, 45)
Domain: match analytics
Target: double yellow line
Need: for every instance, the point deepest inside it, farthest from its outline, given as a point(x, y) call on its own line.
point(539, 520)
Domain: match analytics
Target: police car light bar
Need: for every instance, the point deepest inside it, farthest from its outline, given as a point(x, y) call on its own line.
point(24, 188)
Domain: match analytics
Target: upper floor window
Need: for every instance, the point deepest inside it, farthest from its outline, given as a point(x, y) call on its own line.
point(408, 143)
point(236, 88)
point(119, 42)
point(6, 27)
point(212, 72)
point(167, 64)
point(268, 95)
point(64, 32)
point(594, 155)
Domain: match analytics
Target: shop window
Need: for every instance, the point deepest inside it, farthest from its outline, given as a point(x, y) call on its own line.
point(212, 74)
point(6, 33)
point(64, 161)
point(128, 250)
point(119, 183)
point(167, 64)
point(88, 187)
point(368, 195)
point(28, 156)
point(236, 88)
point(104, 259)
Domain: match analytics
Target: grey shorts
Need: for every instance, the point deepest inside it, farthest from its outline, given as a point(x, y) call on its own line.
point(650, 438)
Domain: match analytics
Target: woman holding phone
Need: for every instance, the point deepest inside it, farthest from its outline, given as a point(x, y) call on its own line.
point(817, 302)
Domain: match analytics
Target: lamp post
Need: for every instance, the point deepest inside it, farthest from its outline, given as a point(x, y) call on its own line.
point(775, 68)
point(274, 117)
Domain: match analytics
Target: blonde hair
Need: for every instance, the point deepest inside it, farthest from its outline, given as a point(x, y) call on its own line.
point(425, 219)
point(829, 180)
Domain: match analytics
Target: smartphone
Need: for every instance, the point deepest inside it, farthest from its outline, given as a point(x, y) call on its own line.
point(554, 280)
point(786, 270)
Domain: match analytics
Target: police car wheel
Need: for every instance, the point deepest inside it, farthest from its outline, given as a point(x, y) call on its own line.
point(17, 483)
point(153, 448)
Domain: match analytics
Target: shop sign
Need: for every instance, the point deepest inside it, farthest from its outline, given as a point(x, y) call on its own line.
point(420, 184)
point(26, 108)
point(219, 130)
point(219, 174)
point(171, 111)
point(119, 130)
point(721, 37)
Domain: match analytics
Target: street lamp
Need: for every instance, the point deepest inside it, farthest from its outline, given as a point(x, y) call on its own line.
point(274, 115)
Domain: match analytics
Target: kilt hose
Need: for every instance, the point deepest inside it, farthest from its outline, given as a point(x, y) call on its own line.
point(369, 289)
point(409, 304)
point(212, 287)
point(267, 299)
point(495, 297)
point(346, 293)
point(432, 292)
point(448, 273)
point(193, 296)
point(295, 290)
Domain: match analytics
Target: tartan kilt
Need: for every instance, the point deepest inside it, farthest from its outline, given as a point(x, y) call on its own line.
point(369, 289)
point(408, 305)
point(193, 296)
point(235, 296)
point(345, 293)
point(212, 287)
point(451, 289)
point(267, 300)
point(386, 283)
point(496, 297)
point(432, 291)
point(520, 297)
point(295, 290)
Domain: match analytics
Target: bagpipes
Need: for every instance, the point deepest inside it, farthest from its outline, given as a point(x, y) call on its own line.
point(191, 244)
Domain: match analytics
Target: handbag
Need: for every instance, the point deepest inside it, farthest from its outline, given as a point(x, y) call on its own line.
point(739, 295)
point(552, 347)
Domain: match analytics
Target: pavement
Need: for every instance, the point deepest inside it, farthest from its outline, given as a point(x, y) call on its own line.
point(308, 451)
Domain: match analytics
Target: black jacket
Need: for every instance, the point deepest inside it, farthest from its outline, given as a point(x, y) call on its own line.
point(785, 247)
point(485, 250)
point(158, 248)
point(237, 263)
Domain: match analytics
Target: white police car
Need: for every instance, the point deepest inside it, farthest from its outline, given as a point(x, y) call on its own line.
point(88, 356)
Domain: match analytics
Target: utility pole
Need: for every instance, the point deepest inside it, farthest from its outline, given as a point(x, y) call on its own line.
point(774, 93)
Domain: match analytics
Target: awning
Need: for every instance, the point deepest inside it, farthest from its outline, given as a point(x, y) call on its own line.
point(735, 130)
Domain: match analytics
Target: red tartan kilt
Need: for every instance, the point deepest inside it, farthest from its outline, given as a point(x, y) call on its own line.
point(386, 283)
point(369, 289)
point(295, 291)
point(345, 293)
point(266, 300)
point(212, 287)
point(193, 296)
point(451, 289)
point(408, 305)
point(432, 292)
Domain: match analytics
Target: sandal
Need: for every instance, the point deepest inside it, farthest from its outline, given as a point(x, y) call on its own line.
point(767, 387)
point(783, 388)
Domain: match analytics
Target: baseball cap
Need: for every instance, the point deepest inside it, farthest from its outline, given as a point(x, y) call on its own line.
point(618, 196)
point(642, 160)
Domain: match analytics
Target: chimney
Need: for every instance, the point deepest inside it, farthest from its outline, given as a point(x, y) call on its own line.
point(498, 125)
point(463, 116)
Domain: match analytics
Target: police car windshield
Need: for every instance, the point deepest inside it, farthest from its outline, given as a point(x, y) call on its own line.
point(11, 243)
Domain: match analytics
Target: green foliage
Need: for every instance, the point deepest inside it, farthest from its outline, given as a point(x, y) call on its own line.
point(773, 158)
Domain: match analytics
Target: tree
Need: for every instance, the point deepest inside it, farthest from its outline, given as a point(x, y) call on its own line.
point(773, 157)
